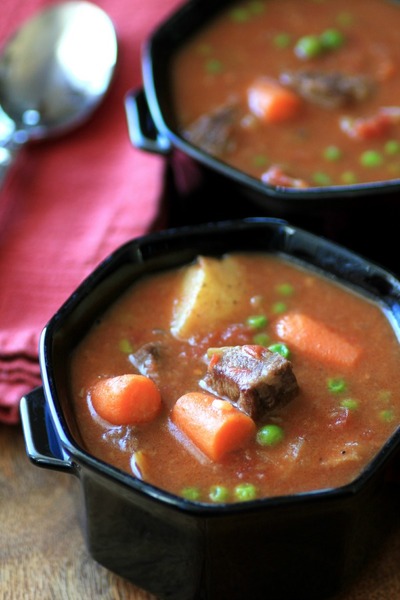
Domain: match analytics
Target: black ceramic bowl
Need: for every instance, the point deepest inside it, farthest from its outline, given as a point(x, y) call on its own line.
point(308, 545)
point(152, 126)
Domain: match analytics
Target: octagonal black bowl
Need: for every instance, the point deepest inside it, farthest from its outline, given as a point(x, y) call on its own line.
point(308, 545)
point(152, 127)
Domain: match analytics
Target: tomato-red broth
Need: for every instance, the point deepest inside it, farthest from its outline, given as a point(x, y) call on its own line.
point(329, 436)
point(354, 142)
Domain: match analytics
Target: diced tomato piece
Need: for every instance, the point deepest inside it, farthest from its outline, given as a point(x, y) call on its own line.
point(276, 176)
point(365, 128)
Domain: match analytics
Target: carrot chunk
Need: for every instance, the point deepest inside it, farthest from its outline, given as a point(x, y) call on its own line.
point(215, 426)
point(126, 399)
point(314, 338)
point(271, 102)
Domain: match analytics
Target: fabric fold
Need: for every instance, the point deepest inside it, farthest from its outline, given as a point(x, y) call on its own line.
point(71, 201)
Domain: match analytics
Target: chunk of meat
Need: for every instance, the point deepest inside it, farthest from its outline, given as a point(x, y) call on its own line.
point(213, 132)
point(329, 90)
point(252, 376)
point(149, 358)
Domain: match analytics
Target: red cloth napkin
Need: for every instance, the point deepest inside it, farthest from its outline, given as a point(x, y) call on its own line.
point(71, 201)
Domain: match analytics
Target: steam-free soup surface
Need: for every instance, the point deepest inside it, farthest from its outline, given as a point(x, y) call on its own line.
point(346, 366)
point(297, 93)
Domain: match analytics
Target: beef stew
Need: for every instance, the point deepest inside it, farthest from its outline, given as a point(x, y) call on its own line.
point(296, 93)
point(335, 384)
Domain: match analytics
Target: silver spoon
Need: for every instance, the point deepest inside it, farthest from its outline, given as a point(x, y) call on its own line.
point(54, 72)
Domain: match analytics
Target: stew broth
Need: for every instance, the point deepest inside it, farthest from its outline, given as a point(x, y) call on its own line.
point(297, 93)
point(335, 425)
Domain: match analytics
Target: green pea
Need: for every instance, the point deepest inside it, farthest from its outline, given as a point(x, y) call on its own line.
point(282, 40)
point(270, 435)
point(321, 178)
point(125, 346)
point(392, 147)
point(213, 66)
point(245, 491)
point(285, 289)
point(331, 39)
point(332, 153)
point(336, 385)
point(308, 46)
point(281, 349)
point(190, 493)
point(348, 177)
point(240, 15)
point(218, 493)
point(257, 321)
point(261, 339)
point(260, 160)
point(349, 403)
point(386, 415)
point(371, 158)
point(279, 307)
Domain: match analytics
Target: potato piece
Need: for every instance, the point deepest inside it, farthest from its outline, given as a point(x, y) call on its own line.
point(209, 294)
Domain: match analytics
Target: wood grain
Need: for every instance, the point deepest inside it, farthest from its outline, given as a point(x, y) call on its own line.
point(43, 555)
point(42, 551)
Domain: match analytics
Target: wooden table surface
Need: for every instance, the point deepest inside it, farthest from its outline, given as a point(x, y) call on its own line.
point(43, 555)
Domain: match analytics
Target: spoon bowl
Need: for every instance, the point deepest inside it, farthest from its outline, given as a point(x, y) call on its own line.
point(54, 71)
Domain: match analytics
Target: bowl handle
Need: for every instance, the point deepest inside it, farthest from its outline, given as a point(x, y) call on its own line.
point(42, 444)
point(142, 131)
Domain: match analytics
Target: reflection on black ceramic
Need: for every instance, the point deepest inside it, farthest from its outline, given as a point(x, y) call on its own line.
point(308, 546)
point(195, 195)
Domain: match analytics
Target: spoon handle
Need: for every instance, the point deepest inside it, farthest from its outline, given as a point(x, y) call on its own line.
point(8, 155)
point(10, 144)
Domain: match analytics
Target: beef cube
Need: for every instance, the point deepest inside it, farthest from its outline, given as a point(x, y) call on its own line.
point(253, 377)
point(329, 90)
point(213, 132)
point(149, 358)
